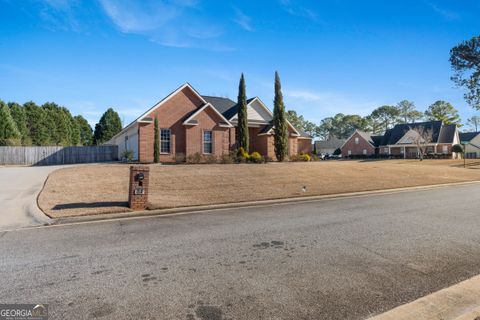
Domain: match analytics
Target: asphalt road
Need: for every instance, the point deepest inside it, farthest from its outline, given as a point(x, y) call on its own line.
point(334, 259)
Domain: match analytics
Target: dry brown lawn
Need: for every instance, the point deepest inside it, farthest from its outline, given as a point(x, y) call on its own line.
point(96, 189)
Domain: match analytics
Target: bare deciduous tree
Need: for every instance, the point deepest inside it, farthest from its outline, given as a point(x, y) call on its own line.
point(422, 139)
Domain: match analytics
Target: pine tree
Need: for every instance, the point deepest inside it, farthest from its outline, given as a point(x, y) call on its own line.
point(280, 125)
point(86, 132)
point(58, 124)
point(9, 134)
point(19, 115)
point(108, 126)
point(156, 142)
point(242, 127)
point(37, 124)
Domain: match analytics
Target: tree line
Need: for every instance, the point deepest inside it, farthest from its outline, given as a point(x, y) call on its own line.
point(381, 119)
point(52, 125)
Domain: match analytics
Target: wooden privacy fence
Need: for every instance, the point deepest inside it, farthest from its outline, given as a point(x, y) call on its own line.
point(43, 156)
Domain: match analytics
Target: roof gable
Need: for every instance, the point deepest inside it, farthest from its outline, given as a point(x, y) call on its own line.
point(256, 112)
point(392, 136)
point(185, 86)
point(365, 136)
point(192, 122)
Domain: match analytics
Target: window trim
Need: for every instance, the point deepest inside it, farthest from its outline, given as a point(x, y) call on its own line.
point(211, 141)
point(169, 140)
point(357, 140)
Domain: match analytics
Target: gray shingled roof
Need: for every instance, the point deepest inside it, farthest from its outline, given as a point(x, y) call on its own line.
point(368, 136)
point(468, 136)
point(228, 108)
point(396, 133)
point(447, 133)
point(225, 106)
point(332, 143)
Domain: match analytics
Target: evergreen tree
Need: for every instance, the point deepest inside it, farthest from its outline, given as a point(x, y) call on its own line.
point(57, 123)
point(9, 134)
point(280, 126)
point(72, 128)
point(86, 132)
point(156, 142)
point(443, 111)
point(37, 124)
point(242, 128)
point(108, 126)
point(20, 117)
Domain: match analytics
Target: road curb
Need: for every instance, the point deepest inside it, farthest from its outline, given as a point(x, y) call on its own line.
point(237, 205)
point(458, 302)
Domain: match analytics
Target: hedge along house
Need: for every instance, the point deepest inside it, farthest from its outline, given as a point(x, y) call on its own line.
point(190, 123)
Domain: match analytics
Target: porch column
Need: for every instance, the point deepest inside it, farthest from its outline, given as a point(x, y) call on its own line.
point(404, 153)
point(435, 149)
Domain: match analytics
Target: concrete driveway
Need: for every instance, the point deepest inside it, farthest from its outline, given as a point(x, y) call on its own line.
point(19, 187)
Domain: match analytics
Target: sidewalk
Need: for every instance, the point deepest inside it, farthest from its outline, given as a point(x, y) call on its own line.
point(458, 302)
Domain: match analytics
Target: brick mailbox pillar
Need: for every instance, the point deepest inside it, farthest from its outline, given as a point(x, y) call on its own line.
point(138, 189)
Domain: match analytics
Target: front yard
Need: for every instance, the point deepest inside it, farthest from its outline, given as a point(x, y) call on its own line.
point(97, 189)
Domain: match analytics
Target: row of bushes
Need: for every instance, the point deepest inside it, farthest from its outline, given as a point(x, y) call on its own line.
point(400, 156)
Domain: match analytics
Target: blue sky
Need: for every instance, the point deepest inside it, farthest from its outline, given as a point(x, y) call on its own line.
point(333, 56)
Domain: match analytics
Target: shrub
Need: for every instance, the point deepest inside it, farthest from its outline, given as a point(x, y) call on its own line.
point(127, 155)
point(227, 158)
point(210, 159)
point(300, 157)
point(194, 158)
point(242, 155)
point(180, 157)
point(457, 148)
point(256, 157)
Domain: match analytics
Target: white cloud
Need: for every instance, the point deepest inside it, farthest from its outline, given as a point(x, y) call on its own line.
point(243, 20)
point(291, 7)
point(176, 23)
point(60, 15)
point(447, 14)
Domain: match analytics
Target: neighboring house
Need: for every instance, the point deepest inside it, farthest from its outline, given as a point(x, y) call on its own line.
point(328, 146)
point(360, 143)
point(190, 123)
point(472, 149)
point(403, 139)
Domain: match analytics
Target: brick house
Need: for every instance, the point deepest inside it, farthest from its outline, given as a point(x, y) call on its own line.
point(360, 143)
point(401, 141)
point(190, 123)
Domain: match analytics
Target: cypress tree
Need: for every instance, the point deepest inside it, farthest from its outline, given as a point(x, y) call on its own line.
point(9, 134)
point(86, 132)
point(156, 142)
point(19, 115)
point(242, 127)
point(280, 126)
point(108, 126)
